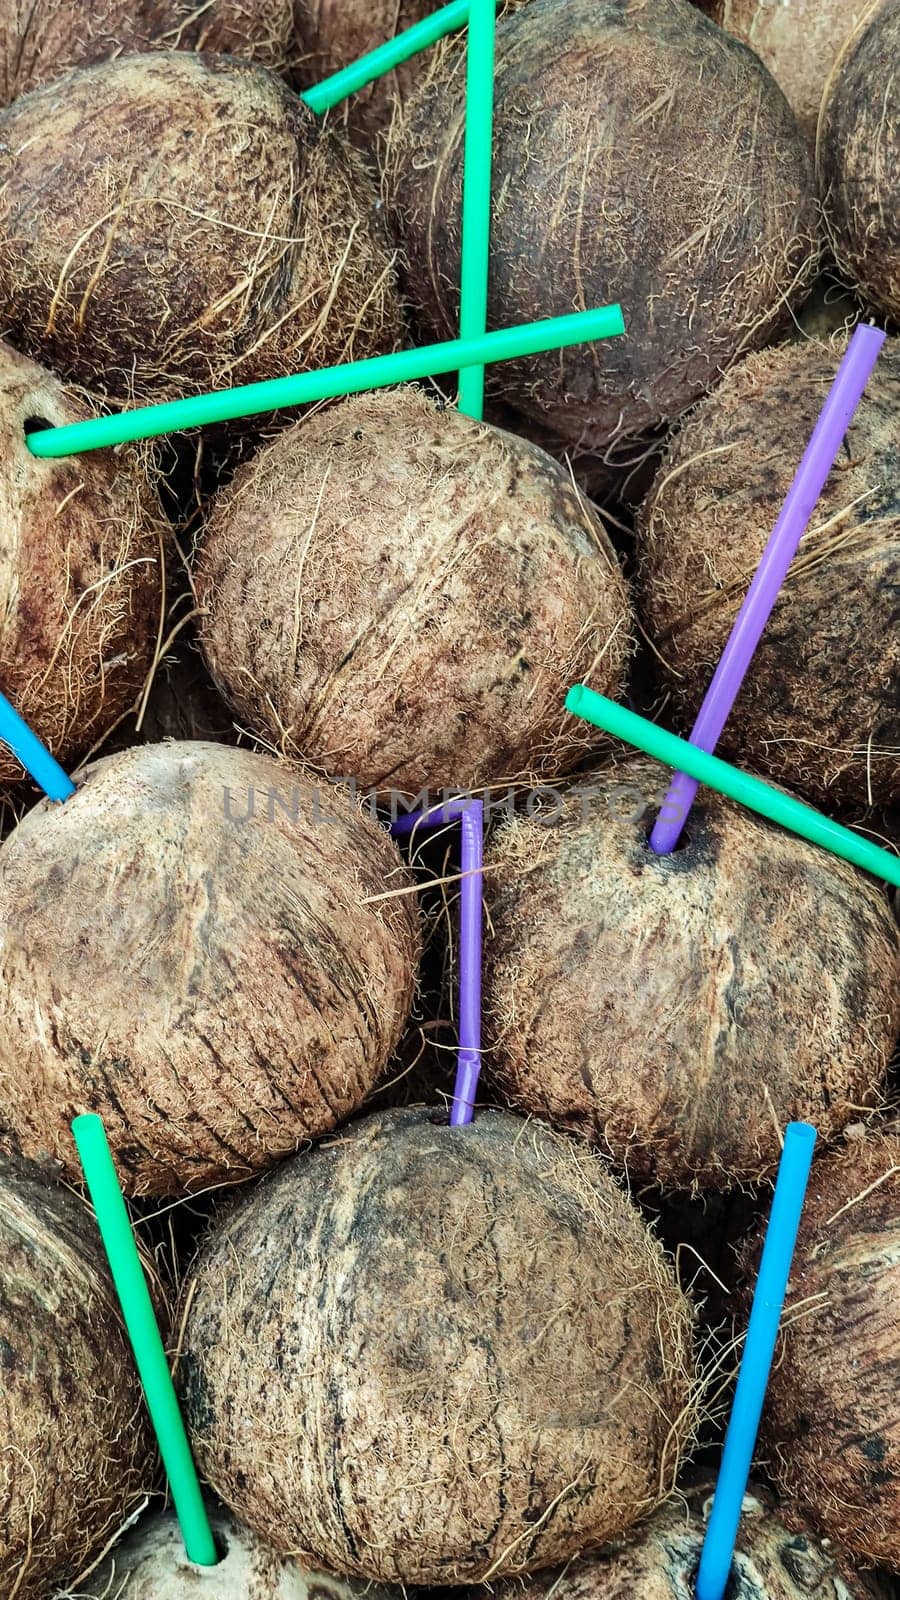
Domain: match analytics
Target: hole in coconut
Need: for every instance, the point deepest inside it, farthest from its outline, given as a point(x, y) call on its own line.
point(438, 1119)
point(221, 1544)
point(732, 1587)
point(37, 425)
point(682, 843)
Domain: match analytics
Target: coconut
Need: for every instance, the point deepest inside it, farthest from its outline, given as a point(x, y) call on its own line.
point(831, 1420)
point(76, 1456)
point(678, 1010)
point(798, 40)
point(178, 222)
point(81, 557)
point(404, 594)
point(332, 33)
point(857, 159)
point(41, 39)
point(641, 156)
point(425, 1355)
point(215, 979)
point(820, 706)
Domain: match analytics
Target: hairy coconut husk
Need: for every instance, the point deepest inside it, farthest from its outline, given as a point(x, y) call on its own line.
point(41, 39)
point(678, 1010)
point(75, 1452)
point(798, 40)
point(219, 986)
point(177, 222)
point(640, 156)
point(462, 1352)
point(403, 594)
point(332, 33)
point(820, 705)
point(81, 556)
point(858, 156)
point(831, 1421)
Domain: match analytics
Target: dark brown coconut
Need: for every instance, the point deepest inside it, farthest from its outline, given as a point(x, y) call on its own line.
point(81, 556)
point(858, 156)
point(798, 40)
point(640, 156)
point(427, 1355)
point(831, 1420)
point(678, 1010)
point(403, 595)
point(820, 708)
point(75, 1453)
point(332, 33)
point(177, 222)
point(216, 984)
point(41, 39)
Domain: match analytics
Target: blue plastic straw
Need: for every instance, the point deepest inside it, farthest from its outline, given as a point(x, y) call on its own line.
point(476, 200)
point(34, 756)
point(759, 1348)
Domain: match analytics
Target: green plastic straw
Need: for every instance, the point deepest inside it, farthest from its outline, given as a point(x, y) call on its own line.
point(741, 786)
point(476, 207)
point(143, 1331)
point(386, 57)
point(378, 372)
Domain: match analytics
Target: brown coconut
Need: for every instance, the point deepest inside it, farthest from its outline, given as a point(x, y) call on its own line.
point(831, 1421)
point(41, 39)
point(75, 1453)
point(332, 33)
point(177, 222)
point(858, 156)
point(798, 40)
point(219, 985)
point(404, 595)
point(678, 1010)
point(81, 556)
point(820, 706)
point(641, 156)
point(420, 1354)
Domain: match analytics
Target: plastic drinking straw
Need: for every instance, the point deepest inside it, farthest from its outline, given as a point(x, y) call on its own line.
point(146, 1342)
point(842, 400)
point(476, 201)
point(34, 756)
point(470, 813)
point(377, 372)
point(732, 781)
point(756, 1363)
point(391, 54)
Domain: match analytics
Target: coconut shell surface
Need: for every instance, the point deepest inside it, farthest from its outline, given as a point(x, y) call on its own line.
point(858, 157)
point(831, 1422)
point(640, 156)
point(798, 40)
point(820, 707)
point(215, 984)
point(421, 1354)
point(41, 39)
point(75, 1452)
point(404, 595)
point(678, 1010)
point(82, 542)
point(173, 222)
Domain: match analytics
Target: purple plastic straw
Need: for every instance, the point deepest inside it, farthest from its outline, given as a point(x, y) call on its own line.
point(842, 400)
point(470, 813)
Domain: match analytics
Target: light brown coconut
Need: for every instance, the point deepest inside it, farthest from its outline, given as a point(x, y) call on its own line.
point(858, 156)
point(82, 543)
point(641, 156)
point(41, 39)
point(421, 1354)
point(798, 40)
point(403, 595)
point(831, 1421)
point(678, 1010)
point(820, 706)
point(219, 986)
point(172, 223)
point(75, 1453)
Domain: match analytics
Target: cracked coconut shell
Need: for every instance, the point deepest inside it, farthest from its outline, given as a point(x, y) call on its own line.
point(402, 594)
point(678, 1010)
point(426, 1355)
point(75, 1451)
point(217, 985)
point(640, 156)
point(820, 707)
point(172, 223)
point(82, 542)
